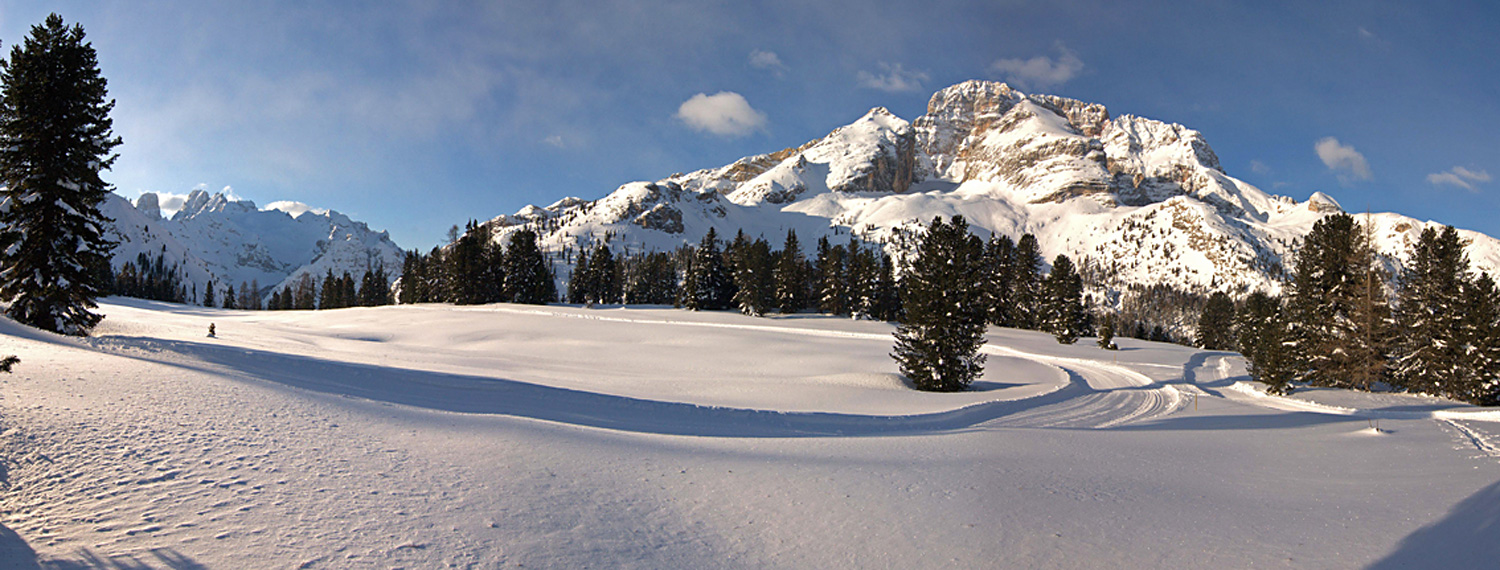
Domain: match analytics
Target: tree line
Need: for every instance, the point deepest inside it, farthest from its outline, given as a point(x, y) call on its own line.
point(1344, 322)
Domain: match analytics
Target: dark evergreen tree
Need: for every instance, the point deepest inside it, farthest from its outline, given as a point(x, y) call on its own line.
point(1025, 306)
point(1107, 332)
point(304, 293)
point(999, 261)
point(1480, 379)
point(527, 278)
point(208, 294)
point(328, 291)
point(1262, 333)
point(1333, 309)
point(650, 278)
point(791, 276)
point(55, 138)
point(938, 340)
point(832, 283)
point(605, 282)
point(887, 305)
point(754, 283)
point(1429, 354)
point(707, 285)
point(1062, 306)
point(578, 282)
point(1216, 325)
point(230, 300)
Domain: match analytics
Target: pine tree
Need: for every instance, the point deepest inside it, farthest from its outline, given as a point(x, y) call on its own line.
point(1216, 324)
point(938, 340)
point(707, 284)
point(1429, 353)
point(1026, 297)
point(605, 286)
point(1263, 336)
point(1107, 332)
point(832, 287)
point(1480, 381)
point(1336, 309)
point(887, 297)
point(208, 294)
point(578, 282)
point(527, 278)
point(791, 276)
point(999, 256)
point(230, 300)
point(1062, 304)
point(55, 138)
point(755, 284)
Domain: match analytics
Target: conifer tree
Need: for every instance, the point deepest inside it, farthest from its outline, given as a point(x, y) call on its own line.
point(605, 284)
point(1216, 324)
point(999, 256)
point(887, 297)
point(1026, 298)
point(229, 299)
point(1063, 314)
point(1336, 310)
point(527, 278)
point(755, 284)
point(1107, 332)
point(832, 287)
point(578, 283)
point(938, 339)
point(791, 276)
point(707, 284)
point(1480, 380)
point(208, 294)
point(1263, 336)
point(328, 291)
point(55, 138)
point(1429, 352)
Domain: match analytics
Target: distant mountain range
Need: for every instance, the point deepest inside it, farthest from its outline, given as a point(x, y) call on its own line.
point(1144, 201)
point(215, 239)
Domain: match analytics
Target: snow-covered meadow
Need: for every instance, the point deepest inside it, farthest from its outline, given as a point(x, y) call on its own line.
point(434, 436)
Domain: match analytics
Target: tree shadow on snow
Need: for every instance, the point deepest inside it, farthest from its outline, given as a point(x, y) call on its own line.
point(1468, 537)
point(154, 559)
point(14, 552)
point(486, 395)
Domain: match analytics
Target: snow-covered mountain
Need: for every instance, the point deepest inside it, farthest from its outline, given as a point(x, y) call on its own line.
point(214, 238)
point(1142, 200)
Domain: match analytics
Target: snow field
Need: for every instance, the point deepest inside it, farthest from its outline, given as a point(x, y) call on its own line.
point(406, 437)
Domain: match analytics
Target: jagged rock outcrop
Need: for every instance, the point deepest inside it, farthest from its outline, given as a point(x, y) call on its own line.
point(1134, 200)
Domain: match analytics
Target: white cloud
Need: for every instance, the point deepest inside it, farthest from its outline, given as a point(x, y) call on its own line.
point(556, 141)
point(893, 78)
point(725, 113)
point(1259, 167)
point(1460, 177)
point(1040, 72)
point(294, 208)
point(769, 61)
point(1348, 163)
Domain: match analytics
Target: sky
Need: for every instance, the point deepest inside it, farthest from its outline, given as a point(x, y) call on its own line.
point(416, 116)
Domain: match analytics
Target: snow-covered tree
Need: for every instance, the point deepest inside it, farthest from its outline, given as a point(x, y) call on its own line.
point(707, 285)
point(55, 138)
point(1338, 313)
point(1430, 353)
point(1062, 304)
point(1263, 336)
point(938, 339)
point(791, 276)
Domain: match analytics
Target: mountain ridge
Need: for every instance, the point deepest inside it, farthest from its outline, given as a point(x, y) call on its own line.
point(1141, 200)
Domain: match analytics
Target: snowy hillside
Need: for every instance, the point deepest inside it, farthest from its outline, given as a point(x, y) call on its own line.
point(435, 436)
point(1145, 200)
point(229, 242)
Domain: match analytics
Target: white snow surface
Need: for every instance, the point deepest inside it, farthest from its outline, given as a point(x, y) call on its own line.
point(433, 436)
point(216, 238)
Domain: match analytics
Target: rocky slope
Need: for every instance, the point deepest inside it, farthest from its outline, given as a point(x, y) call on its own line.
point(1140, 200)
point(214, 238)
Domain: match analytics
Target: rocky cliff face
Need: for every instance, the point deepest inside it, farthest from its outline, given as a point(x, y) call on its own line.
point(1138, 200)
point(219, 240)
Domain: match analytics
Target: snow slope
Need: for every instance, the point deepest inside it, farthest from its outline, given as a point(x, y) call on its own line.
point(1145, 201)
point(215, 238)
point(563, 437)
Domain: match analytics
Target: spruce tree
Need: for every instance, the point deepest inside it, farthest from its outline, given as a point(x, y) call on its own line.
point(605, 285)
point(208, 294)
point(1263, 336)
point(1216, 323)
point(755, 284)
point(1480, 381)
point(578, 282)
point(1429, 353)
point(1107, 332)
point(1062, 305)
point(791, 276)
point(527, 278)
point(55, 138)
point(707, 285)
point(1336, 309)
point(999, 255)
point(938, 340)
point(1026, 298)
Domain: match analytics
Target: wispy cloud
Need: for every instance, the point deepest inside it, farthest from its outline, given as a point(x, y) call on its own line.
point(892, 78)
point(1040, 72)
point(1460, 177)
point(1343, 160)
point(725, 113)
point(1259, 167)
point(768, 61)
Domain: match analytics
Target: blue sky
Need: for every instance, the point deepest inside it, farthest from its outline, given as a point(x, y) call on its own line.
point(417, 116)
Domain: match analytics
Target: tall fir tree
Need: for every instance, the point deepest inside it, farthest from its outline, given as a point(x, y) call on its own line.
point(755, 285)
point(999, 256)
point(1062, 306)
point(1216, 323)
point(578, 282)
point(1337, 312)
point(527, 278)
point(707, 285)
point(791, 276)
point(1429, 353)
point(938, 339)
point(1026, 298)
point(55, 138)
point(1480, 380)
point(1263, 336)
